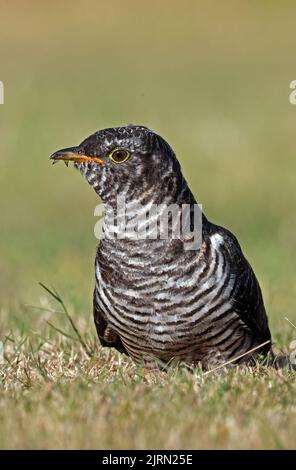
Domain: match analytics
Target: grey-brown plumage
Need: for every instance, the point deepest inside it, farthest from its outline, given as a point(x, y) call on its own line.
point(154, 299)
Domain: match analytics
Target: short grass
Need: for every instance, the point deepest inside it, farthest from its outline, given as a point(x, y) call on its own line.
point(214, 80)
point(62, 391)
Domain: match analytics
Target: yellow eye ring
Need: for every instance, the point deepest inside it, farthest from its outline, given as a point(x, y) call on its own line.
point(119, 155)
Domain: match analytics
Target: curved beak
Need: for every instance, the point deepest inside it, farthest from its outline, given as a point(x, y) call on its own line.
point(73, 154)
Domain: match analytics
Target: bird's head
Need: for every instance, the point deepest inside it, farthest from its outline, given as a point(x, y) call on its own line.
point(132, 161)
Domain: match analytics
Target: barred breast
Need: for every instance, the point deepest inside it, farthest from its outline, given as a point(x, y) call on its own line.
point(165, 304)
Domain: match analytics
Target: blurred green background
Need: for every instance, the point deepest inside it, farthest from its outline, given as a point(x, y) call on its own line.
point(210, 77)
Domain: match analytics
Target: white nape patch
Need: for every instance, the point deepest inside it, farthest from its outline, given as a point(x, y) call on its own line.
point(216, 240)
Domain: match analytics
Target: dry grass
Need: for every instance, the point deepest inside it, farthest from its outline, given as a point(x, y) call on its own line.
point(57, 397)
point(64, 392)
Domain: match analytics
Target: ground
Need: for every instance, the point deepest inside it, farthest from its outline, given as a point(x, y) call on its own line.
point(214, 81)
point(55, 396)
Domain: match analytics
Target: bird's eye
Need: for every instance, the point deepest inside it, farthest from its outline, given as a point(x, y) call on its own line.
point(119, 155)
